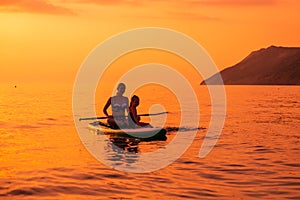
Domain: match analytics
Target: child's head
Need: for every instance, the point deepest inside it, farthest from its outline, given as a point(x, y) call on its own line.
point(135, 101)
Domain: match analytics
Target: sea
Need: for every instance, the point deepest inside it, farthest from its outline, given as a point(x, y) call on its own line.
point(45, 153)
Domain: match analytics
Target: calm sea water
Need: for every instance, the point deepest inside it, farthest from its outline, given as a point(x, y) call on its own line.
point(256, 156)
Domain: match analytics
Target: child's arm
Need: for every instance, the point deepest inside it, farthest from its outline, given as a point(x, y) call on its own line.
point(135, 117)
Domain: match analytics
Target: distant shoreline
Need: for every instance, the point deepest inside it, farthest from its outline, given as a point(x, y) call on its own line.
point(203, 84)
point(267, 66)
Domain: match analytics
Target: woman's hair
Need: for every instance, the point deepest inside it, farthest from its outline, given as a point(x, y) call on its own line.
point(121, 84)
point(133, 98)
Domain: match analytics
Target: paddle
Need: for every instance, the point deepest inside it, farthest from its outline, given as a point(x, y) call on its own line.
point(93, 118)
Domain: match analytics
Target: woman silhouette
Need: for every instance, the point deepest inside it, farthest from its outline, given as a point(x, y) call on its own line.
point(119, 104)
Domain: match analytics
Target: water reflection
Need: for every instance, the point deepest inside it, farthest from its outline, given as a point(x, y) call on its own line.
point(126, 144)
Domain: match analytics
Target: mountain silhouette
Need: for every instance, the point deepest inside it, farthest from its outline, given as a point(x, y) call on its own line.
point(267, 66)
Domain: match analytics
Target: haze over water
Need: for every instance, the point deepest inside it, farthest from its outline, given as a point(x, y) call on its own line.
point(256, 156)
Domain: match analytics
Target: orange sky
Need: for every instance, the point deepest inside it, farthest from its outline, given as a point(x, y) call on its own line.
point(46, 41)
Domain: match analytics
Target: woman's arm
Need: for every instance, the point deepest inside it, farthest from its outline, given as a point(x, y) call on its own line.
point(108, 103)
point(127, 106)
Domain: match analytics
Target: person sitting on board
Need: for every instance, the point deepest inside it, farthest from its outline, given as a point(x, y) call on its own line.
point(119, 104)
point(133, 118)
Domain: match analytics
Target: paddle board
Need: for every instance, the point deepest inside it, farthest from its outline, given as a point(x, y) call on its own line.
point(145, 133)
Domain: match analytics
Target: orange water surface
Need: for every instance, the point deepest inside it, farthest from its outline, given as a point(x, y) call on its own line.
point(256, 156)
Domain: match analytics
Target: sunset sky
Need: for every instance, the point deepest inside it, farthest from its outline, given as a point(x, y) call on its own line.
point(46, 41)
